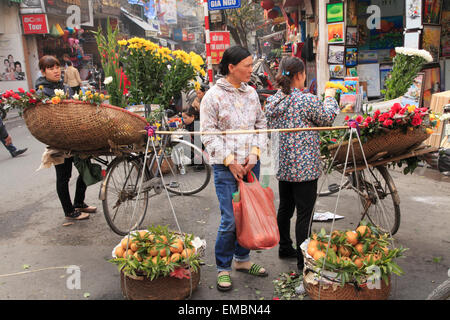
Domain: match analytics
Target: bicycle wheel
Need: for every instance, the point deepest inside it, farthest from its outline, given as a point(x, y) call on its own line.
point(120, 189)
point(331, 182)
point(188, 172)
point(383, 210)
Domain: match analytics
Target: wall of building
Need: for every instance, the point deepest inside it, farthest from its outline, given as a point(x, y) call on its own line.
point(11, 44)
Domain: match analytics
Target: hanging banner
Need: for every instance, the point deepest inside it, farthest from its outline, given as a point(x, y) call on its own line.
point(34, 24)
point(220, 41)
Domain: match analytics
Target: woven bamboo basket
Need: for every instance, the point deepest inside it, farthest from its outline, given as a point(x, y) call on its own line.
point(391, 143)
point(81, 126)
point(162, 288)
point(330, 287)
point(140, 287)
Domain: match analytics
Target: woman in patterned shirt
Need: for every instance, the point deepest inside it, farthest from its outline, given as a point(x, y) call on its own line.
point(298, 162)
point(229, 105)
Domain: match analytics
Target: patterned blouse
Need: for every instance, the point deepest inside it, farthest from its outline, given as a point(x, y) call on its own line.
point(298, 152)
point(225, 108)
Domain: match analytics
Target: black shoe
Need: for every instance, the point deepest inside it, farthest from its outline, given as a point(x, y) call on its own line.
point(77, 215)
point(287, 254)
point(18, 152)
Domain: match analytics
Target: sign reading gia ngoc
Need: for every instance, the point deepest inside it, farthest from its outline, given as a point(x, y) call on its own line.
point(223, 4)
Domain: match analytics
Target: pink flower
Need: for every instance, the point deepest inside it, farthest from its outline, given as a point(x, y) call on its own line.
point(365, 124)
point(276, 298)
point(369, 119)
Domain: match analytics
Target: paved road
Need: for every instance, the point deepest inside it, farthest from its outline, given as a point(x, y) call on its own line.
point(32, 236)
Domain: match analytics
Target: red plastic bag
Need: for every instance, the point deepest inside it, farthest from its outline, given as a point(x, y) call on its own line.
point(255, 215)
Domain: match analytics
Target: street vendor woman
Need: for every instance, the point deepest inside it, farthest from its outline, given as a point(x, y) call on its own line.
point(231, 104)
point(51, 80)
point(299, 165)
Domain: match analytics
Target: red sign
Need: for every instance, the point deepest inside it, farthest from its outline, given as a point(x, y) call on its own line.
point(34, 23)
point(191, 36)
point(220, 41)
point(185, 35)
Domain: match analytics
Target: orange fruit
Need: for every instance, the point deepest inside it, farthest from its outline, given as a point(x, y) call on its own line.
point(358, 262)
point(187, 253)
point(133, 246)
point(137, 256)
point(175, 257)
point(344, 251)
point(351, 237)
point(155, 260)
point(124, 243)
point(152, 251)
point(176, 246)
point(335, 234)
point(346, 259)
point(312, 250)
point(318, 254)
point(163, 252)
point(360, 248)
point(143, 233)
point(364, 231)
point(163, 240)
point(166, 260)
point(385, 251)
point(119, 252)
point(313, 243)
point(372, 258)
point(128, 254)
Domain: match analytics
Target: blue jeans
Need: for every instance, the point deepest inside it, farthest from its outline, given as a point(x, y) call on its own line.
point(11, 148)
point(227, 246)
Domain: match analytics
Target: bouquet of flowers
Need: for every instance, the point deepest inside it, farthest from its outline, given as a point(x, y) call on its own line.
point(407, 63)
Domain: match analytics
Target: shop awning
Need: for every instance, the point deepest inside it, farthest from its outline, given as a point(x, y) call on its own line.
point(148, 28)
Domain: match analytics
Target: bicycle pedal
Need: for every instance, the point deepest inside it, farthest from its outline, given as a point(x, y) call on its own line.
point(173, 185)
point(333, 187)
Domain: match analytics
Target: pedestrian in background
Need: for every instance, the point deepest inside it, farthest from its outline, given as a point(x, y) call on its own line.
point(231, 104)
point(299, 165)
point(72, 78)
point(7, 141)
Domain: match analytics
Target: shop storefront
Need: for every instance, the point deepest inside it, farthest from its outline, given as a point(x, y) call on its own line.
point(358, 40)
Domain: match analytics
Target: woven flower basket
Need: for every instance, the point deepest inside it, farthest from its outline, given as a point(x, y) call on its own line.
point(331, 287)
point(393, 142)
point(81, 126)
point(161, 288)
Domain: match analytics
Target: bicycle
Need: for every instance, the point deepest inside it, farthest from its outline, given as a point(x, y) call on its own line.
point(374, 186)
point(442, 292)
point(186, 173)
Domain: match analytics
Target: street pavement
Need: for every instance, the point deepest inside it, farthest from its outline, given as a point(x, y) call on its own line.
point(35, 247)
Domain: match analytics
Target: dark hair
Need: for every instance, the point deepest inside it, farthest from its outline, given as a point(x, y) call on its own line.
point(233, 55)
point(191, 112)
point(69, 63)
point(204, 87)
point(17, 63)
point(289, 67)
point(48, 62)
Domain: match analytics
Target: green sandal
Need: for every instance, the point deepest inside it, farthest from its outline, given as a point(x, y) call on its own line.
point(221, 279)
point(254, 271)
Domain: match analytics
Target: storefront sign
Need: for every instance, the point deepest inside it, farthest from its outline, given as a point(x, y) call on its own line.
point(223, 4)
point(178, 35)
point(220, 41)
point(185, 35)
point(34, 24)
point(191, 36)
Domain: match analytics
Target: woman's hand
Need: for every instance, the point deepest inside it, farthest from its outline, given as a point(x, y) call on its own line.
point(250, 162)
point(237, 170)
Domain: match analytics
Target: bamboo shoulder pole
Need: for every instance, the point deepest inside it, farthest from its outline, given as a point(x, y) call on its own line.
point(250, 131)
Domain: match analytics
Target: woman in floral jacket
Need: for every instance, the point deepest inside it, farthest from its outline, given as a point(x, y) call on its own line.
point(298, 162)
point(231, 104)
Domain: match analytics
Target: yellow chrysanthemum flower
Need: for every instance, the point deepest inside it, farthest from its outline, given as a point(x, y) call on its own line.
point(411, 108)
point(122, 42)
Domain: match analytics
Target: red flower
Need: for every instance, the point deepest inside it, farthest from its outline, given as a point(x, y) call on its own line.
point(365, 124)
point(33, 91)
point(402, 111)
point(334, 140)
point(16, 96)
point(396, 107)
point(359, 119)
point(376, 114)
point(369, 119)
point(387, 122)
point(32, 101)
point(21, 90)
point(125, 91)
point(29, 95)
point(180, 273)
point(417, 120)
point(347, 118)
point(276, 298)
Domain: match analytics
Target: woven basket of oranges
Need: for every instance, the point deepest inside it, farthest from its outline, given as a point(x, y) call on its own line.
point(350, 264)
point(158, 264)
